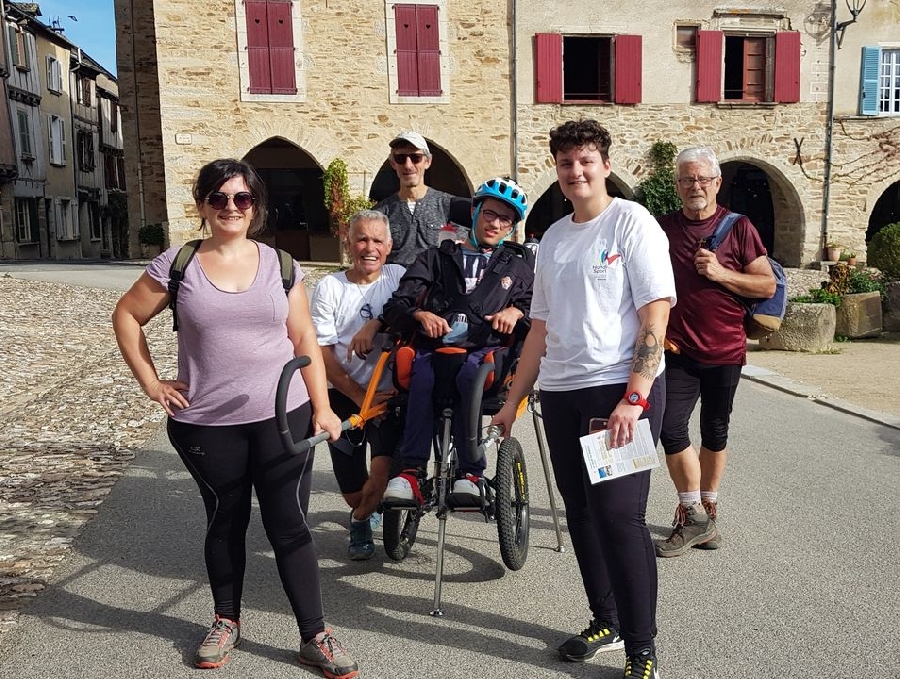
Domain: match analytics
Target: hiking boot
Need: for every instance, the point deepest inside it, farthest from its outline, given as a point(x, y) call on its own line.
point(328, 655)
point(403, 490)
point(690, 527)
point(586, 644)
point(641, 665)
point(467, 491)
point(224, 635)
point(716, 540)
point(362, 546)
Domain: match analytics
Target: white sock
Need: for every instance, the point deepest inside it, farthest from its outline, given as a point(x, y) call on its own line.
point(689, 498)
point(709, 495)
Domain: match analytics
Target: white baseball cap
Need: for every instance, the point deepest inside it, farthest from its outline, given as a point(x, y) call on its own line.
point(413, 138)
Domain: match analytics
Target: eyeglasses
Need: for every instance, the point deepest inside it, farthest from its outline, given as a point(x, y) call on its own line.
point(366, 312)
point(401, 158)
point(243, 200)
point(688, 182)
point(491, 216)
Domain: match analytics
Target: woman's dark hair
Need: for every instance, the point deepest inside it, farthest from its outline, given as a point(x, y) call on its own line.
point(214, 174)
point(580, 133)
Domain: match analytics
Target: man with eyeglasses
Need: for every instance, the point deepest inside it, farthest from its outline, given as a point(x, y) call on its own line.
point(345, 308)
point(471, 295)
point(418, 213)
point(706, 343)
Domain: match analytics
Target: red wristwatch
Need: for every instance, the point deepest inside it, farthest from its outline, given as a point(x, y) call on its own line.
point(634, 398)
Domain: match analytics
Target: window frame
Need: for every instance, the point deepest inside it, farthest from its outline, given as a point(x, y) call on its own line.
point(26, 225)
point(85, 143)
point(299, 61)
point(18, 47)
point(440, 95)
point(54, 75)
point(57, 136)
point(23, 120)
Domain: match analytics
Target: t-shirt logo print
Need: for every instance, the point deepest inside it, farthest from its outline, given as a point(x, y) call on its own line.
point(606, 260)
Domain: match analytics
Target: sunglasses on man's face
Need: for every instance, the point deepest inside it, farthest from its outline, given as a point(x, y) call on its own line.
point(243, 200)
point(401, 158)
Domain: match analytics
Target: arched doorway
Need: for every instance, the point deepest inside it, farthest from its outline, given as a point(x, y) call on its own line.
point(553, 205)
point(445, 174)
point(298, 221)
point(886, 211)
point(745, 189)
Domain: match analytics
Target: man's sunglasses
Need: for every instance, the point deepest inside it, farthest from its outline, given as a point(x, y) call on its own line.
point(243, 200)
point(401, 158)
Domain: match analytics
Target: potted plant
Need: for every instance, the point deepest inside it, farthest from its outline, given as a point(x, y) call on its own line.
point(152, 238)
point(851, 258)
point(833, 251)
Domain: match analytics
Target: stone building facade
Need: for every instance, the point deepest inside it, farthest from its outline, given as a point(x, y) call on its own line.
point(290, 86)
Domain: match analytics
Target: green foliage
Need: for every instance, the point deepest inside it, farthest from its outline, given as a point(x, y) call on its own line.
point(152, 234)
point(338, 201)
point(866, 281)
point(884, 251)
point(818, 296)
point(657, 192)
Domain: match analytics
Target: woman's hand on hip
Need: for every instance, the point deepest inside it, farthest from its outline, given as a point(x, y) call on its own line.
point(169, 394)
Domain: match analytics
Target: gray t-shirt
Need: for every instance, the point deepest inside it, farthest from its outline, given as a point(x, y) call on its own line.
point(232, 345)
point(420, 229)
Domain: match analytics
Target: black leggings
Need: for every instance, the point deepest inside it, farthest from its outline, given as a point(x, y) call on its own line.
point(226, 462)
point(606, 520)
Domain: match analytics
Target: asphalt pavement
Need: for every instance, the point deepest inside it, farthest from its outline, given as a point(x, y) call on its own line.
point(805, 584)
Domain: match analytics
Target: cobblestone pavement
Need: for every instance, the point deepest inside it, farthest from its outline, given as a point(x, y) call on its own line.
point(71, 416)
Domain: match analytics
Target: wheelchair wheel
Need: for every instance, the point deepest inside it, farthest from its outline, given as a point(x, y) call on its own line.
point(511, 493)
point(399, 529)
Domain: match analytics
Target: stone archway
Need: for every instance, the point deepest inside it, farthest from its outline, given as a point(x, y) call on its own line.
point(298, 221)
point(762, 192)
point(445, 174)
point(553, 205)
point(886, 210)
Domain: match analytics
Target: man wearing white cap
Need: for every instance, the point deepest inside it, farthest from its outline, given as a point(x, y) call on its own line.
point(416, 212)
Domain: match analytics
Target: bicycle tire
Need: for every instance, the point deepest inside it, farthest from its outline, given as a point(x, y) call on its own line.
point(511, 498)
point(399, 528)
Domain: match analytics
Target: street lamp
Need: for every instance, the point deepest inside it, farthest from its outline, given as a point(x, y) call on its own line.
point(841, 26)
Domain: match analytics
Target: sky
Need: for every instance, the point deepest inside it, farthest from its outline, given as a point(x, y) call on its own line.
point(95, 28)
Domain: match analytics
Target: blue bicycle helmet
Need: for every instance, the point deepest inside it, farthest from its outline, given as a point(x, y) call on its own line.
point(505, 190)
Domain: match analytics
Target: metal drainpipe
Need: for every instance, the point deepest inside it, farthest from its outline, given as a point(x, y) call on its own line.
point(829, 126)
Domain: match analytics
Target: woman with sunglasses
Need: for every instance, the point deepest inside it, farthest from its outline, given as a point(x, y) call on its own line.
point(237, 328)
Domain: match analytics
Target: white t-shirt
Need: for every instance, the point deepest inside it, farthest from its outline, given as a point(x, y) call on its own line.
point(337, 312)
point(590, 280)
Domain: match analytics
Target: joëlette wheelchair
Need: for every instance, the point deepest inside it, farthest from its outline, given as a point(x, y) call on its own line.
point(504, 498)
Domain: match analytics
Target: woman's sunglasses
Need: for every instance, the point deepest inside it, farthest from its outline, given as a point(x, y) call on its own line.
point(243, 200)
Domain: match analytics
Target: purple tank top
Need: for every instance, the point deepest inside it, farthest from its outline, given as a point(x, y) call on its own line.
point(232, 345)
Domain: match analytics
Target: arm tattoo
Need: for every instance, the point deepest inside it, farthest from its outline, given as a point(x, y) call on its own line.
point(647, 353)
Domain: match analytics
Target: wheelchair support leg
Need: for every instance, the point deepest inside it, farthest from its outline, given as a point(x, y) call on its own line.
point(539, 435)
point(443, 487)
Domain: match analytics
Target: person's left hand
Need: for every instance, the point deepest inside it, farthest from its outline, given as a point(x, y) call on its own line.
point(505, 321)
point(708, 265)
point(326, 420)
point(622, 423)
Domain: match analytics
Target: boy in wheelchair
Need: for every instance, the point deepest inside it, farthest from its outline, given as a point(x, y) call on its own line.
point(470, 295)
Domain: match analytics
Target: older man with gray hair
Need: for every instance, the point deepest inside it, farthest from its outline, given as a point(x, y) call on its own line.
point(345, 309)
point(418, 213)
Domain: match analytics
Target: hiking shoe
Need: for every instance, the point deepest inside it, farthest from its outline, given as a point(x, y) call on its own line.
point(224, 635)
point(467, 491)
point(328, 655)
point(586, 644)
point(690, 527)
point(716, 540)
point(362, 546)
point(641, 665)
point(403, 490)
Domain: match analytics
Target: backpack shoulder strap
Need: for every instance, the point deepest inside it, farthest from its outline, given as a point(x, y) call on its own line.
point(176, 275)
point(723, 228)
point(287, 269)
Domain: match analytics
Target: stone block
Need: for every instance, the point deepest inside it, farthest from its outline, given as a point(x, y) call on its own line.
point(859, 315)
point(891, 308)
point(806, 327)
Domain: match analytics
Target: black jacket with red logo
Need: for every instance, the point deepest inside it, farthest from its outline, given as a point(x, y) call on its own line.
point(435, 282)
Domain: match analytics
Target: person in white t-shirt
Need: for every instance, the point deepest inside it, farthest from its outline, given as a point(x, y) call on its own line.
point(345, 309)
point(602, 293)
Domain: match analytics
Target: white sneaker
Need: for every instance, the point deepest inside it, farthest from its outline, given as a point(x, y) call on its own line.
point(399, 490)
point(466, 490)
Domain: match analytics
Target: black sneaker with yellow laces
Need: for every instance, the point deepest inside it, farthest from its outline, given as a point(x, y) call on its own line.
point(641, 665)
point(598, 636)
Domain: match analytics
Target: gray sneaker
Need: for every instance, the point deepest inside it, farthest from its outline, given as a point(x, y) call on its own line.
point(222, 637)
point(716, 540)
point(690, 527)
point(328, 655)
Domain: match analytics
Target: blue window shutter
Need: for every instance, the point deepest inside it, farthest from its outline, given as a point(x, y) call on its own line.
point(868, 88)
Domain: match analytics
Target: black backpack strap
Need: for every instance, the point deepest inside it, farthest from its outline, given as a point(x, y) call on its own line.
point(287, 269)
point(176, 275)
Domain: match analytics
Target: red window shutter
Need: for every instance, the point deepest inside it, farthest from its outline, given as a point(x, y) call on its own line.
point(628, 69)
point(787, 67)
point(407, 53)
point(281, 48)
point(548, 75)
point(709, 65)
point(429, 52)
point(258, 47)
